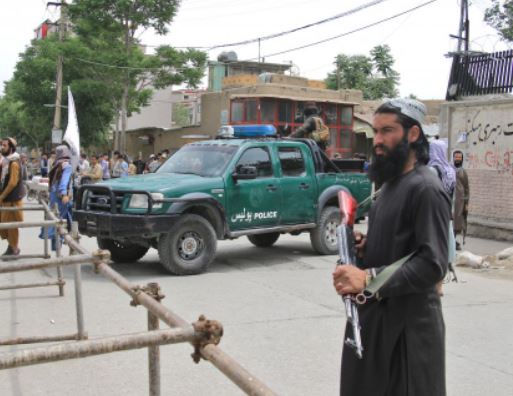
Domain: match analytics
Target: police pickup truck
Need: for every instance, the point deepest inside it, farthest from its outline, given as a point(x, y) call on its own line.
point(245, 183)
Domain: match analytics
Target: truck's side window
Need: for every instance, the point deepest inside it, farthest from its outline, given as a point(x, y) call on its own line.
point(291, 161)
point(258, 157)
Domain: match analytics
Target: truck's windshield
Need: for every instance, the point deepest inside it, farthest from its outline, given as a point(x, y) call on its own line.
point(199, 159)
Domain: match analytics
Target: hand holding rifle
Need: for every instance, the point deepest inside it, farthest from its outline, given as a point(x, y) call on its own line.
point(347, 278)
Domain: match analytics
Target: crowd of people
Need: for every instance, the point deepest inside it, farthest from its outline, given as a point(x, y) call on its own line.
point(95, 167)
point(16, 169)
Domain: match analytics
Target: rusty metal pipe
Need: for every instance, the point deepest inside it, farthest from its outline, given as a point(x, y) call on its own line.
point(29, 207)
point(30, 285)
point(58, 253)
point(163, 313)
point(24, 256)
point(235, 372)
point(33, 224)
point(30, 264)
point(153, 358)
point(99, 346)
point(38, 339)
point(77, 275)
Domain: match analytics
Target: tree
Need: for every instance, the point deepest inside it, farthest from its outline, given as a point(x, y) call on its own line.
point(103, 76)
point(181, 115)
point(33, 86)
point(374, 75)
point(500, 16)
point(125, 17)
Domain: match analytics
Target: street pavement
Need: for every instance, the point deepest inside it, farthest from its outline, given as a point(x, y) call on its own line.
point(282, 321)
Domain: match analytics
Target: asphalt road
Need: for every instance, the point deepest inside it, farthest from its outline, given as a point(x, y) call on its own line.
point(281, 318)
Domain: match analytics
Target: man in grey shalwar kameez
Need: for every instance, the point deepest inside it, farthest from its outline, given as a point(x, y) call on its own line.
point(402, 327)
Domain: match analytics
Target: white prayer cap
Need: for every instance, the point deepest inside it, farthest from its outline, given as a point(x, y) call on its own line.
point(410, 107)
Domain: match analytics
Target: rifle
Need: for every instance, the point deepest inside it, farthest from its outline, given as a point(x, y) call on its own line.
point(347, 256)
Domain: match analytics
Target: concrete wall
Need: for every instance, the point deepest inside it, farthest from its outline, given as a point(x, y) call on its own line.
point(483, 130)
point(161, 139)
point(157, 114)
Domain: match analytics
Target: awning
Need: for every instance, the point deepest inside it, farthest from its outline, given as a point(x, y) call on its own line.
point(363, 127)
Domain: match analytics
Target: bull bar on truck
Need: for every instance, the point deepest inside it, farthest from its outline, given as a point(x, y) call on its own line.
point(99, 213)
point(105, 218)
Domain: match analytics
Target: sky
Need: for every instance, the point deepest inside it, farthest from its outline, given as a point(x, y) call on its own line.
point(418, 40)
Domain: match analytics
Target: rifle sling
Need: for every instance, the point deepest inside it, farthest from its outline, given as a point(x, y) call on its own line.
point(381, 278)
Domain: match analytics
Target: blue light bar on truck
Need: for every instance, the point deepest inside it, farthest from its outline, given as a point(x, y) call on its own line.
point(247, 131)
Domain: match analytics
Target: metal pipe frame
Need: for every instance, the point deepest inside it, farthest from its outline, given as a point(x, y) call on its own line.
point(23, 208)
point(226, 364)
point(39, 339)
point(29, 264)
point(24, 256)
point(99, 346)
point(33, 224)
point(30, 285)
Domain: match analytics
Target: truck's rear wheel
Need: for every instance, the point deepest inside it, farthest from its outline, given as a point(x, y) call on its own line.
point(189, 247)
point(122, 252)
point(264, 240)
point(324, 236)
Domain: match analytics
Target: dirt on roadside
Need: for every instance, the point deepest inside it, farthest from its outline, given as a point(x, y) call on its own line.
point(498, 269)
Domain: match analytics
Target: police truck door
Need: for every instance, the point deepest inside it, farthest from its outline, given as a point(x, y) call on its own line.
point(254, 203)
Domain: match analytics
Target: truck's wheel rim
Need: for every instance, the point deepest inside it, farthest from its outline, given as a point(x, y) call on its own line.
point(331, 233)
point(190, 245)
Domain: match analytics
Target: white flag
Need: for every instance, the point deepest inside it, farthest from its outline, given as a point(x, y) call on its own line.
point(72, 136)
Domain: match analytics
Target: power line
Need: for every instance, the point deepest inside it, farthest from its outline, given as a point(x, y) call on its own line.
point(274, 35)
point(350, 32)
point(111, 66)
point(283, 33)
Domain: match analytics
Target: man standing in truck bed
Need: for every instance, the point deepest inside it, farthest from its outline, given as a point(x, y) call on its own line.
point(313, 127)
point(403, 332)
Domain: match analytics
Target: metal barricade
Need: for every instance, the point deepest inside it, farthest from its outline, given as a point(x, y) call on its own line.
point(204, 335)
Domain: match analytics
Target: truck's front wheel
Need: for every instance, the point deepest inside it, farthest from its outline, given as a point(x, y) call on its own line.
point(189, 247)
point(324, 236)
point(122, 252)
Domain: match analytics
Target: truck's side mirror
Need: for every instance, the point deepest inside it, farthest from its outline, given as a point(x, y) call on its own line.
point(245, 172)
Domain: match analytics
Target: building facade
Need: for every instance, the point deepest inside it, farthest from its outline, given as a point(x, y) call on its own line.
point(482, 128)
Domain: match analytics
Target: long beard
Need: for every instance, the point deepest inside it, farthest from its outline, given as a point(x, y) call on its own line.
point(458, 164)
point(390, 164)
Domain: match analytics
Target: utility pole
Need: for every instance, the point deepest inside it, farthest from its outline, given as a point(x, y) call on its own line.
point(463, 32)
point(58, 82)
point(337, 63)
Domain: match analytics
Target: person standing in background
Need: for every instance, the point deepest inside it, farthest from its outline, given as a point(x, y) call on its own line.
point(95, 171)
point(44, 165)
point(104, 163)
point(461, 197)
point(13, 191)
point(60, 186)
point(51, 160)
point(119, 166)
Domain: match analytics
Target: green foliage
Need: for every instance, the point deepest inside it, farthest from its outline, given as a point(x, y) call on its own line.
point(128, 14)
point(33, 86)
point(181, 115)
point(374, 75)
point(100, 60)
point(500, 16)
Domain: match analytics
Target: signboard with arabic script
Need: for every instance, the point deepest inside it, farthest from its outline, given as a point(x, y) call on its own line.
point(485, 134)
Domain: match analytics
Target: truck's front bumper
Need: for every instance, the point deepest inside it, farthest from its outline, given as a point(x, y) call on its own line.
point(109, 225)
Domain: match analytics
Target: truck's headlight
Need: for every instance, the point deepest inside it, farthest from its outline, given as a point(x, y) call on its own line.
point(140, 201)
